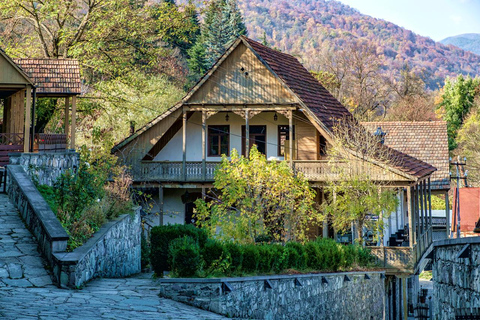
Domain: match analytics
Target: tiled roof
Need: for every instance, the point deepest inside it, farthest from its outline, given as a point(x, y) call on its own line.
point(52, 76)
point(424, 140)
point(325, 106)
point(303, 84)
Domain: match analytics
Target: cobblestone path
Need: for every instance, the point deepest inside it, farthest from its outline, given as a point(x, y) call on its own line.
point(27, 292)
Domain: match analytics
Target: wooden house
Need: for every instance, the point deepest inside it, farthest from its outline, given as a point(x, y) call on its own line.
point(257, 95)
point(22, 81)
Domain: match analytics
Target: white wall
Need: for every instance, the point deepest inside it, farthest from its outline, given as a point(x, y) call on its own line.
point(173, 150)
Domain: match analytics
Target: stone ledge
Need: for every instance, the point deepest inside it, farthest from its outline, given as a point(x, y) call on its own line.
point(458, 241)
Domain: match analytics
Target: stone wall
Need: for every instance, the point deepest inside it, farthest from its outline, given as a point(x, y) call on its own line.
point(351, 295)
point(113, 252)
point(36, 213)
point(456, 279)
point(46, 167)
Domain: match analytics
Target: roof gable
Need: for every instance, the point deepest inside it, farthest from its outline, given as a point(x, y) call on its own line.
point(10, 72)
point(241, 78)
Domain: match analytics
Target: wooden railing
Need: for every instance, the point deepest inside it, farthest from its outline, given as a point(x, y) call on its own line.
point(50, 142)
point(11, 139)
point(173, 171)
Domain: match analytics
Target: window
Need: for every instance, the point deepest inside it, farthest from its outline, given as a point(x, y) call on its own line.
point(322, 145)
point(258, 136)
point(218, 140)
point(283, 136)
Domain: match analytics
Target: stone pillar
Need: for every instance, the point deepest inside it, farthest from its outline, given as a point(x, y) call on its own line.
point(67, 113)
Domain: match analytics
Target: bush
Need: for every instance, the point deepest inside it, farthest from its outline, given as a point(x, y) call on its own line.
point(265, 262)
point(160, 238)
point(297, 257)
point(145, 251)
point(235, 255)
point(184, 254)
point(314, 255)
point(331, 254)
point(251, 257)
point(212, 251)
point(279, 257)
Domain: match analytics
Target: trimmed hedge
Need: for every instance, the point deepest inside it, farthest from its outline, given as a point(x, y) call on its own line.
point(187, 251)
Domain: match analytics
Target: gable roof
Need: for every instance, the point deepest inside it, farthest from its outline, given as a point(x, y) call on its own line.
point(16, 67)
point(310, 93)
point(52, 76)
point(424, 140)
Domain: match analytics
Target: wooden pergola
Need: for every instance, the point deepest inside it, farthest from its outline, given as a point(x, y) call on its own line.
point(22, 81)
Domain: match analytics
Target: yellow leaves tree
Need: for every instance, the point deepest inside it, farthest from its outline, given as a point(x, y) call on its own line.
point(254, 197)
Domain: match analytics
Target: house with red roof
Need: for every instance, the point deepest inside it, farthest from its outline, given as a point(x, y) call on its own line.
point(22, 81)
point(258, 95)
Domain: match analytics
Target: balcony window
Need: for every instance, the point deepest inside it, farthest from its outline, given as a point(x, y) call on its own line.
point(283, 135)
point(257, 136)
point(218, 140)
point(322, 145)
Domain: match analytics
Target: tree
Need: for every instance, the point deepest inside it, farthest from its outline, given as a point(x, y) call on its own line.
point(359, 83)
point(254, 197)
point(456, 101)
point(412, 102)
point(355, 198)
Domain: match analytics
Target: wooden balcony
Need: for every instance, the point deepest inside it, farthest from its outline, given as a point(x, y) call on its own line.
point(314, 170)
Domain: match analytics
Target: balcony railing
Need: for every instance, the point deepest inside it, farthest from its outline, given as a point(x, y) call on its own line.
point(314, 170)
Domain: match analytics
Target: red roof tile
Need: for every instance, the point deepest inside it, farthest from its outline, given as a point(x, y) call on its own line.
point(52, 76)
point(424, 140)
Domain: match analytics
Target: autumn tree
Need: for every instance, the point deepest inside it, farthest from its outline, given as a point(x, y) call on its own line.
point(355, 197)
point(358, 81)
point(456, 100)
point(254, 197)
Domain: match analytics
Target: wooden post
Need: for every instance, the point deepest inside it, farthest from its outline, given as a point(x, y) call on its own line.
point(160, 206)
point(447, 212)
point(67, 112)
point(421, 209)
point(28, 113)
point(410, 216)
point(74, 123)
point(429, 187)
point(184, 144)
point(404, 298)
point(204, 134)
point(290, 136)
point(247, 135)
point(325, 222)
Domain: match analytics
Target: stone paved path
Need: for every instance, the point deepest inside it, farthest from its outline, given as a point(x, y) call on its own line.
point(26, 290)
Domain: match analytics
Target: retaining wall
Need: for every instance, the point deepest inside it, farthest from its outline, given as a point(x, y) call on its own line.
point(351, 295)
point(114, 251)
point(456, 277)
point(46, 167)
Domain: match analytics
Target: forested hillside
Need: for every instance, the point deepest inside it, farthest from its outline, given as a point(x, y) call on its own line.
point(308, 27)
point(468, 41)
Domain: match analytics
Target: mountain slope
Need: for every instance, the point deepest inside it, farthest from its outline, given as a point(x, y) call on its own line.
point(306, 27)
point(467, 41)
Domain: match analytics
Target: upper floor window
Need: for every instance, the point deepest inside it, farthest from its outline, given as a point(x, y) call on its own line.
point(218, 140)
point(257, 135)
point(322, 145)
point(283, 136)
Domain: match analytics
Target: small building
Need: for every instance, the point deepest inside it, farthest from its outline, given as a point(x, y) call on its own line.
point(22, 81)
point(427, 141)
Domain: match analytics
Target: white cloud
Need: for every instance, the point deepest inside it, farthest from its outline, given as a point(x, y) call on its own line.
point(456, 19)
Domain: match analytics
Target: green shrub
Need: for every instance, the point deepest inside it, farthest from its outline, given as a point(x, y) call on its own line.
point(314, 256)
point(331, 254)
point(279, 257)
point(184, 254)
point(297, 257)
point(212, 251)
point(160, 238)
point(364, 256)
point(145, 251)
point(251, 257)
point(265, 262)
point(235, 255)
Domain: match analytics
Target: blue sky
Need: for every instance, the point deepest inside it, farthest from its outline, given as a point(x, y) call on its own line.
point(437, 19)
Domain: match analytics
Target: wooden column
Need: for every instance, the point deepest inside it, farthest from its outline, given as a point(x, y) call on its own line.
point(421, 209)
point(74, 123)
point(184, 145)
point(410, 216)
point(290, 136)
point(28, 113)
point(325, 222)
point(247, 135)
point(67, 113)
point(204, 135)
point(447, 212)
point(160, 206)
point(429, 190)
point(404, 298)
